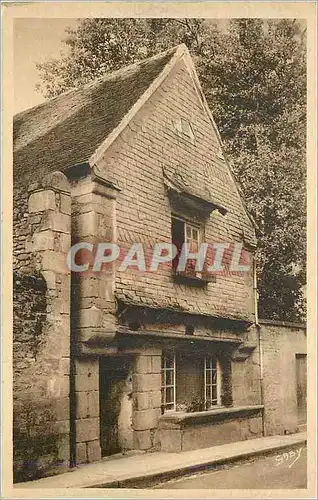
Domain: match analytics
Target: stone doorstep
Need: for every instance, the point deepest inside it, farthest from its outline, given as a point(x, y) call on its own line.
point(164, 466)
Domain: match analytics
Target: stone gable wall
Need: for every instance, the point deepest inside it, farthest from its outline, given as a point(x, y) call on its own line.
point(135, 162)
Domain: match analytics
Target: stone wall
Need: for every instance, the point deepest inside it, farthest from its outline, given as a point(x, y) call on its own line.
point(281, 342)
point(87, 430)
point(246, 382)
point(41, 337)
point(186, 432)
point(146, 398)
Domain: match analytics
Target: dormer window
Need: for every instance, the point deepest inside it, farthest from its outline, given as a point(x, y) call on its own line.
point(184, 129)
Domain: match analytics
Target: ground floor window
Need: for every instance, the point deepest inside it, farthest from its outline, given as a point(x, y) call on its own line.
point(211, 382)
point(190, 382)
point(168, 381)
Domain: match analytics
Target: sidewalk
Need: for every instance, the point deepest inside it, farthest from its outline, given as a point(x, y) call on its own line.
point(144, 469)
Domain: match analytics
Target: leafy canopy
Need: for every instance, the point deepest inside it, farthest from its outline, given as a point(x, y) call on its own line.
point(253, 73)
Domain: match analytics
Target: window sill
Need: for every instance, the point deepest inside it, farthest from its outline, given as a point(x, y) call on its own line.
point(183, 419)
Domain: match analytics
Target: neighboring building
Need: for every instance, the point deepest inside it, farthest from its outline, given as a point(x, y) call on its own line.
point(118, 359)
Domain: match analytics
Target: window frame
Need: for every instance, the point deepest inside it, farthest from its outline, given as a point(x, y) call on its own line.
point(193, 226)
point(211, 402)
point(164, 385)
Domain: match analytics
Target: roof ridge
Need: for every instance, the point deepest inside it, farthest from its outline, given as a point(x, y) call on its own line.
point(123, 69)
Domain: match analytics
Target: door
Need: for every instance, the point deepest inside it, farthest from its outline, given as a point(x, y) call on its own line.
point(301, 381)
point(115, 393)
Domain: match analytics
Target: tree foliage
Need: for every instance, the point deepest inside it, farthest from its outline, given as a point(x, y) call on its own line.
point(253, 73)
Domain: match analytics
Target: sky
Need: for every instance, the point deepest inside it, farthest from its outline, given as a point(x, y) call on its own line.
point(35, 40)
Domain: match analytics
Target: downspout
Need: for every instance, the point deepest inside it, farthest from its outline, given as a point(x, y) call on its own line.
point(72, 397)
point(260, 343)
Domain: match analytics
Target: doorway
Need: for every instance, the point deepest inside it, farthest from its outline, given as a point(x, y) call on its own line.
point(301, 381)
point(115, 389)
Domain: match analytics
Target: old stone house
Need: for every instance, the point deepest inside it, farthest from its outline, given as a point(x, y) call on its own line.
point(113, 360)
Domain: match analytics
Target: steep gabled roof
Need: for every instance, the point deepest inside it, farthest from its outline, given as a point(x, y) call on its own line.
point(67, 130)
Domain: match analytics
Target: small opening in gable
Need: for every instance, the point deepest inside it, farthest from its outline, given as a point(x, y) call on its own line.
point(184, 128)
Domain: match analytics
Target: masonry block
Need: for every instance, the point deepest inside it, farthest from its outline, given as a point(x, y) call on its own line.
point(56, 221)
point(81, 455)
point(142, 440)
point(93, 451)
point(65, 366)
point(147, 382)
point(142, 364)
point(86, 224)
point(64, 386)
point(171, 440)
point(54, 261)
point(87, 429)
point(82, 405)
point(141, 400)
point(89, 287)
point(62, 427)
point(91, 317)
point(87, 382)
point(43, 240)
point(62, 409)
point(65, 204)
point(62, 242)
point(64, 448)
point(155, 399)
point(41, 201)
point(156, 364)
point(86, 366)
point(145, 419)
point(93, 403)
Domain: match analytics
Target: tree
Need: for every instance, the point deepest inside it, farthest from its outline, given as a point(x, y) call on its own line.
point(253, 73)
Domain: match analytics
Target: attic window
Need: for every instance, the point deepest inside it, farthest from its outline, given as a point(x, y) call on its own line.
point(183, 128)
point(191, 234)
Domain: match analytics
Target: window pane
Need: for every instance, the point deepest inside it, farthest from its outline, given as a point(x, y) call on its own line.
point(169, 377)
point(214, 376)
point(169, 395)
point(170, 406)
point(169, 362)
point(208, 393)
point(214, 393)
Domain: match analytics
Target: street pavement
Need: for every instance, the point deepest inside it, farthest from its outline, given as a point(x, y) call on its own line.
point(284, 470)
point(141, 470)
